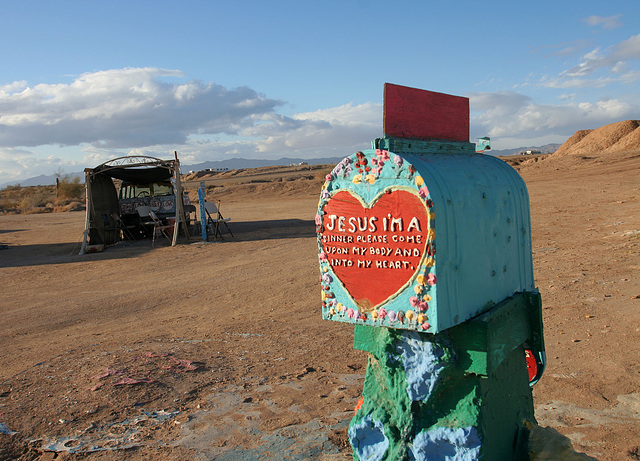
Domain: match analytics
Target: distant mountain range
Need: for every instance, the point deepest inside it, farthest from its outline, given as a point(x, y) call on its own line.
point(237, 163)
point(42, 180)
point(546, 149)
point(229, 164)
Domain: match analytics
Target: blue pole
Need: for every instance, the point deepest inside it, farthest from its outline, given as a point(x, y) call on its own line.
point(202, 193)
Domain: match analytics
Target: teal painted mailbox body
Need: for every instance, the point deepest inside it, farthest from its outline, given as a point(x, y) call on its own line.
point(421, 235)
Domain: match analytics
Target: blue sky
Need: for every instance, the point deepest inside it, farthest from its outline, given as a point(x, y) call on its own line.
point(82, 82)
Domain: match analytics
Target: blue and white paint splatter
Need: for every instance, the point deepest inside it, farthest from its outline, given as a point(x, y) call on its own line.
point(446, 444)
point(368, 439)
point(422, 364)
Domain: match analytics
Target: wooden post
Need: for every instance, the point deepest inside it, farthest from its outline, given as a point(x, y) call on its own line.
point(180, 218)
point(88, 205)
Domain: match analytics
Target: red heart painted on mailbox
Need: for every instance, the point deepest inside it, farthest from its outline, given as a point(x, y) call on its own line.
point(375, 249)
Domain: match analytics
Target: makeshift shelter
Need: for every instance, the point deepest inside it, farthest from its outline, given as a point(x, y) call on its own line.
point(109, 214)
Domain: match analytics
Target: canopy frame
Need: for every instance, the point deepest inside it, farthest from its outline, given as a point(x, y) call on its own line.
point(116, 168)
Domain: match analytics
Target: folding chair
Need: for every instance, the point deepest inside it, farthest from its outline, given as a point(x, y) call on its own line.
point(126, 232)
point(214, 217)
point(152, 224)
point(158, 227)
point(190, 215)
point(147, 223)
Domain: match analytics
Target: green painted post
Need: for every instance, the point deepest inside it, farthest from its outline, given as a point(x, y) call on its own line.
point(462, 393)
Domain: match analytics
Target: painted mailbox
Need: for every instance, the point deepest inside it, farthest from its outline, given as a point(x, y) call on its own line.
point(426, 238)
point(421, 241)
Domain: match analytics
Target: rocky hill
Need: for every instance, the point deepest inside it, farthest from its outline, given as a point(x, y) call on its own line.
point(609, 144)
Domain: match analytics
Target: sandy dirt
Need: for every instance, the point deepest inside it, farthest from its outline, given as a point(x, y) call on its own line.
point(217, 350)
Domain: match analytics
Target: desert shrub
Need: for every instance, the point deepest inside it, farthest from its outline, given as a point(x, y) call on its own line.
point(71, 206)
point(35, 199)
point(69, 187)
point(8, 206)
point(75, 206)
point(10, 198)
point(37, 210)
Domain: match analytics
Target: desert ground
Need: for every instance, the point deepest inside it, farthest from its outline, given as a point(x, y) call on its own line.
point(216, 350)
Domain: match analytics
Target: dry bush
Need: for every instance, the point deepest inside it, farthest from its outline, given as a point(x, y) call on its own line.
point(67, 195)
point(71, 206)
point(42, 199)
point(35, 200)
point(69, 187)
point(10, 198)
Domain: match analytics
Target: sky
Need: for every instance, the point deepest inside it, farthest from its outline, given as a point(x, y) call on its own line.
point(82, 82)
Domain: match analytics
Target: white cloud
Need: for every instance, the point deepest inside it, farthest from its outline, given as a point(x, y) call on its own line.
point(572, 48)
point(627, 49)
point(344, 127)
point(102, 115)
point(107, 114)
point(567, 97)
point(514, 117)
point(14, 162)
point(607, 22)
point(123, 108)
point(613, 64)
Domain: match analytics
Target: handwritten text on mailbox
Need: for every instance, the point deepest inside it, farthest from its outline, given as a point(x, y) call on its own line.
point(375, 249)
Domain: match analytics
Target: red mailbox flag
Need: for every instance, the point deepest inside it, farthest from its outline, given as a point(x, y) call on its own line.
point(420, 114)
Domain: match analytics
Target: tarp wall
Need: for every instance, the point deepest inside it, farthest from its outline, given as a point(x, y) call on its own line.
point(104, 203)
